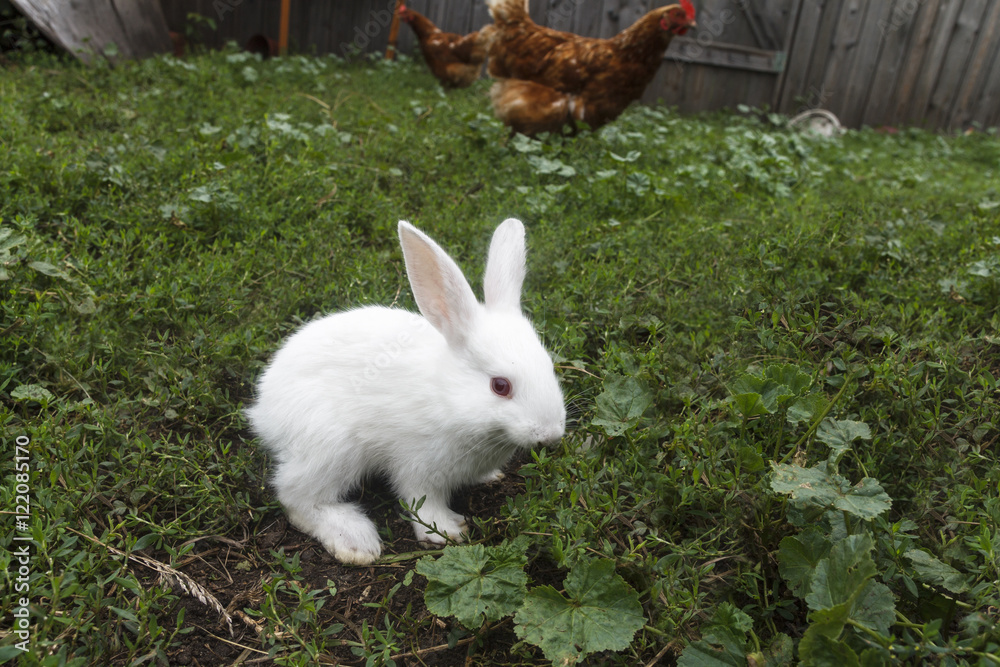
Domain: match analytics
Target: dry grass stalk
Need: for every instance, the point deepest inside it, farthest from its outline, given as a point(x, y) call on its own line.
point(173, 577)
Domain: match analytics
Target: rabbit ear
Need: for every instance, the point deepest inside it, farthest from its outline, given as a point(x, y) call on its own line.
point(441, 291)
point(505, 267)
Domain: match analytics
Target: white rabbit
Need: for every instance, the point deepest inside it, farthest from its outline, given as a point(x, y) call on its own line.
point(434, 402)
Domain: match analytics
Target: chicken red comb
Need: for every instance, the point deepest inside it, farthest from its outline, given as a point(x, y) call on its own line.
point(688, 8)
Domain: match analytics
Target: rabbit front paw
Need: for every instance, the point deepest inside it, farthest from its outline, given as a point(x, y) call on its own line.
point(349, 535)
point(356, 549)
point(492, 476)
point(448, 525)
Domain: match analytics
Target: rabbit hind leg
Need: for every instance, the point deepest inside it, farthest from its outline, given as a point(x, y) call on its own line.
point(342, 528)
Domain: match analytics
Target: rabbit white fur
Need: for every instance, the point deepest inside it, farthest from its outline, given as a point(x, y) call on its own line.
point(382, 390)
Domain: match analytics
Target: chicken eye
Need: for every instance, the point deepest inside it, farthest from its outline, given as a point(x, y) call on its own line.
point(501, 387)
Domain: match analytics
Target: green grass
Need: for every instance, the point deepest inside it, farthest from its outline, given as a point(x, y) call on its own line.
point(167, 223)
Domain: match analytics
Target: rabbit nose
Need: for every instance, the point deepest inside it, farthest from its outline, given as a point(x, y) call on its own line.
point(550, 436)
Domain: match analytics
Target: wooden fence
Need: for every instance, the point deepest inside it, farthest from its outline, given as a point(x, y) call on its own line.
point(932, 63)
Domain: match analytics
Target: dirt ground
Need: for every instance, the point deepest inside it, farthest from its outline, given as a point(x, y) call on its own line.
point(234, 572)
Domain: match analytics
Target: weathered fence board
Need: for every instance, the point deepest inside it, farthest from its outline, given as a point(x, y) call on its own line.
point(956, 55)
point(85, 29)
point(890, 66)
point(977, 72)
point(865, 60)
point(923, 32)
point(876, 62)
point(987, 108)
point(933, 58)
point(796, 72)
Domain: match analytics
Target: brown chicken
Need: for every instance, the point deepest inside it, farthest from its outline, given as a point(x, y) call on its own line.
point(455, 60)
point(549, 79)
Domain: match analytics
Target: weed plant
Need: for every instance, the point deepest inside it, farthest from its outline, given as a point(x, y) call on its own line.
point(782, 354)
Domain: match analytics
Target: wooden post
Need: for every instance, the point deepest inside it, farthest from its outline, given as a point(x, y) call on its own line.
point(390, 49)
point(283, 30)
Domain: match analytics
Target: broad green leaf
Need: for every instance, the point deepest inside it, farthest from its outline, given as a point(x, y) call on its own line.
point(840, 577)
point(838, 525)
point(9, 652)
point(599, 612)
point(776, 395)
point(771, 393)
point(807, 486)
point(632, 156)
point(876, 608)
point(145, 541)
point(126, 614)
point(475, 583)
point(638, 183)
point(819, 650)
point(818, 487)
point(49, 270)
point(821, 645)
point(9, 240)
point(747, 383)
point(781, 652)
point(721, 649)
point(523, 144)
point(789, 376)
point(836, 431)
point(798, 557)
point(723, 642)
point(839, 434)
point(750, 458)
point(750, 405)
point(200, 193)
point(32, 392)
point(865, 500)
point(806, 407)
point(621, 404)
point(829, 622)
point(845, 578)
point(984, 268)
point(168, 211)
point(930, 570)
point(872, 657)
point(544, 165)
point(84, 306)
point(730, 616)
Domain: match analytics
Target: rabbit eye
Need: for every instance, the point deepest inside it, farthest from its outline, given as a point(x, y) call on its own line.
point(500, 386)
